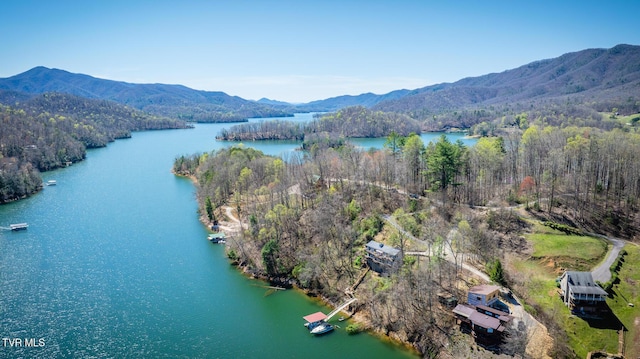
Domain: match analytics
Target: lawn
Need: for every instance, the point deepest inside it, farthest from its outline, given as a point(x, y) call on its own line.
point(625, 292)
point(571, 252)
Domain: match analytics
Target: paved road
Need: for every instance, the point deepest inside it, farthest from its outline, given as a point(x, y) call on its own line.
point(601, 272)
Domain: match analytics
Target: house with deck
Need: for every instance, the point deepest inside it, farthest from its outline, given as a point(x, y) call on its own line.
point(581, 294)
point(485, 324)
point(382, 258)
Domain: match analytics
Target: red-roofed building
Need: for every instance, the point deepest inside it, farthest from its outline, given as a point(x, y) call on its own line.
point(484, 323)
point(315, 317)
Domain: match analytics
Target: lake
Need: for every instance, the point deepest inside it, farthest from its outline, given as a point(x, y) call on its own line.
point(115, 264)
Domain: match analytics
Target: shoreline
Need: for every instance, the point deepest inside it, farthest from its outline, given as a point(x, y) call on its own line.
point(232, 226)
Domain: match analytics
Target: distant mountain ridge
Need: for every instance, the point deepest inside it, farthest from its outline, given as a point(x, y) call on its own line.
point(601, 74)
point(599, 77)
point(335, 103)
point(167, 100)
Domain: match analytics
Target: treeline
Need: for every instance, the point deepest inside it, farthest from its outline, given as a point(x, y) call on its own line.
point(349, 122)
point(589, 177)
point(263, 130)
point(485, 120)
point(593, 176)
point(210, 113)
point(358, 121)
point(53, 130)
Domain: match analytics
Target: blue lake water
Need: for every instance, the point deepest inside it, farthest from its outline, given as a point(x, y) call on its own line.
point(115, 264)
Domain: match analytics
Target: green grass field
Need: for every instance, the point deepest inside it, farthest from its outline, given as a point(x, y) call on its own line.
point(570, 252)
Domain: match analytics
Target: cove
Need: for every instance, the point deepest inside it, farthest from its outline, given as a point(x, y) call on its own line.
point(115, 264)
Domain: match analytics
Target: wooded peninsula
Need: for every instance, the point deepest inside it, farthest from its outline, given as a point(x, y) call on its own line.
point(305, 220)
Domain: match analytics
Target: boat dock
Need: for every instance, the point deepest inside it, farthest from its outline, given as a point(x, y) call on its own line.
point(18, 226)
point(321, 317)
point(219, 237)
point(338, 309)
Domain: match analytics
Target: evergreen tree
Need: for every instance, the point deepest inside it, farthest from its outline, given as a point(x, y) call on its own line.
point(209, 208)
point(496, 272)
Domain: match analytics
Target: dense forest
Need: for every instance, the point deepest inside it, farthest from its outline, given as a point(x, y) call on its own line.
point(307, 219)
point(52, 130)
point(355, 121)
point(263, 130)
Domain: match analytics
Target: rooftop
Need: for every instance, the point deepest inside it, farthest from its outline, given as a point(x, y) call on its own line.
point(486, 321)
point(463, 310)
point(480, 319)
point(505, 317)
point(375, 246)
point(582, 282)
point(484, 289)
point(315, 317)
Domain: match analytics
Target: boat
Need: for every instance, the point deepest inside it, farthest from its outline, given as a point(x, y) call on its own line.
point(312, 325)
point(51, 182)
point(322, 328)
point(18, 226)
point(219, 237)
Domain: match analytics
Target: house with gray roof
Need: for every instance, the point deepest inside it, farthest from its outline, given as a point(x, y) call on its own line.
point(581, 294)
point(382, 258)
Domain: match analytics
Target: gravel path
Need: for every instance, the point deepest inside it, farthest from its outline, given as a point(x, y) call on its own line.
point(447, 249)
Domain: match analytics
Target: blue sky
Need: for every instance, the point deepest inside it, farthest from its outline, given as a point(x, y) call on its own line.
point(299, 51)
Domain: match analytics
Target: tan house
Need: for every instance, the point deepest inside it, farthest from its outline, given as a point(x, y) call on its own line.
point(484, 294)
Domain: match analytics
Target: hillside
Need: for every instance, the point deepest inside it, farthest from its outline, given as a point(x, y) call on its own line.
point(175, 101)
point(43, 132)
point(594, 78)
point(579, 84)
point(335, 103)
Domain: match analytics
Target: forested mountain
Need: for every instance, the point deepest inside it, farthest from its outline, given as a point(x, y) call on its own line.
point(175, 101)
point(575, 84)
point(594, 79)
point(335, 103)
point(42, 132)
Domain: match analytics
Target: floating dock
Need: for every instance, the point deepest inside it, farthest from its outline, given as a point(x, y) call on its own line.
point(18, 226)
